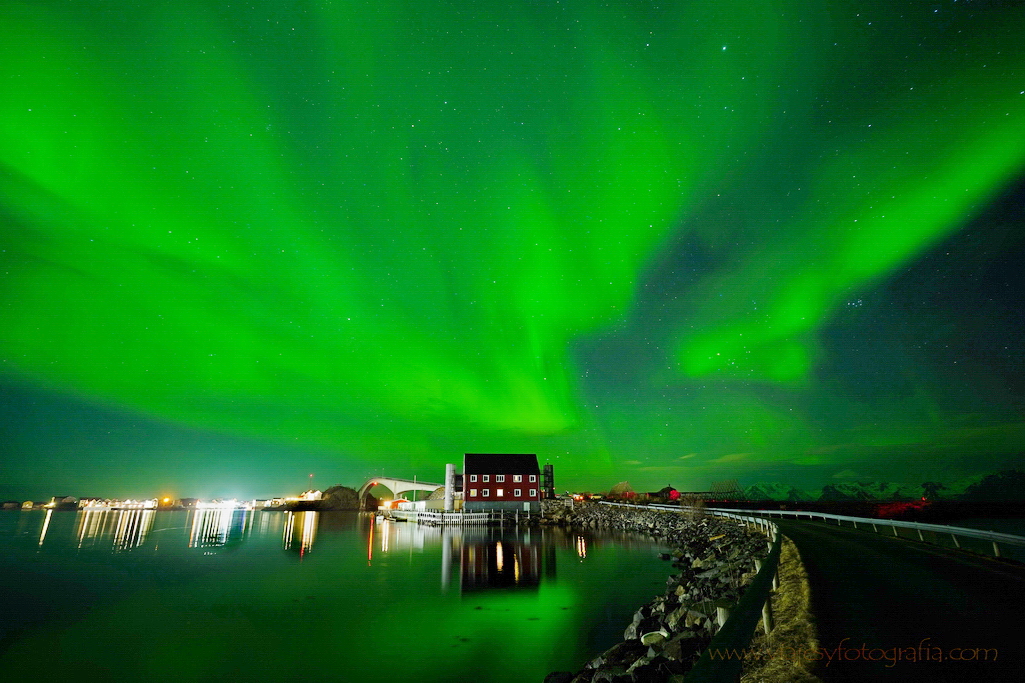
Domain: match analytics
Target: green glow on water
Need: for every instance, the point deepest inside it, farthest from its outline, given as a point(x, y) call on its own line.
point(166, 602)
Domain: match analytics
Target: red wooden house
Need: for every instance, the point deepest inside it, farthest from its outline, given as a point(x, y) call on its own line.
point(501, 481)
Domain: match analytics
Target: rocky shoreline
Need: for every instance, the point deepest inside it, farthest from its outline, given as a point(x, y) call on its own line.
point(714, 559)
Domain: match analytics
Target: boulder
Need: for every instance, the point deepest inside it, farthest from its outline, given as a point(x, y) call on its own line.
point(612, 675)
point(673, 618)
point(654, 638)
point(683, 646)
point(638, 628)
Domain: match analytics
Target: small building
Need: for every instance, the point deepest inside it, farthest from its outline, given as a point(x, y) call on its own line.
point(63, 503)
point(501, 481)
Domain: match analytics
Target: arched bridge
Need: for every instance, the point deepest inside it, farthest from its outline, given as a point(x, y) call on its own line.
point(397, 486)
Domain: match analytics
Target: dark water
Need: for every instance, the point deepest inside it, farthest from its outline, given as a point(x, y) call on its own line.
point(236, 596)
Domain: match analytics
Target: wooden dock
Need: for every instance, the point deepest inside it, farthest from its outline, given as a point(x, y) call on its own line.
point(438, 518)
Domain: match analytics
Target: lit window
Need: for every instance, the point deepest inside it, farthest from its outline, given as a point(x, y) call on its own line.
point(517, 478)
point(533, 478)
point(517, 492)
point(533, 493)
point(473, 478)
point(499, 477)
point(500, 492)
point(487, 492)
point(473, 493)
point(486, 479)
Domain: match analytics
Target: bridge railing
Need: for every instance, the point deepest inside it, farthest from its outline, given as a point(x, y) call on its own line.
point(955, 532)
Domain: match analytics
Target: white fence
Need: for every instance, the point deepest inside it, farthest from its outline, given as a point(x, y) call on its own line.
point(434, 517)
point(893, 524)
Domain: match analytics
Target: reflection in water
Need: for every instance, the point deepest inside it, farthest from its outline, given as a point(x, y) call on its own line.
point(262, 523)
point(370, 543)
point(91, 525)
point(301, 526)
point(215, 526)
point(131, 528)
point(446, 557)
point(499, 604)
point(127, 529)
point(504, 561)
point(46, 525)
point(488, 558)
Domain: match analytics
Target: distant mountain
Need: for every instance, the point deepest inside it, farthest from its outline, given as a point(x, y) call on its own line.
point(1006, 485)
point(870, 491)
point(957, 488)
point(774, 491)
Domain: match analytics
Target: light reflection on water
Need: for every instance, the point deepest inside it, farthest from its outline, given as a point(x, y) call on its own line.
point(236, 595)
point(302, 527)
point(124, 529)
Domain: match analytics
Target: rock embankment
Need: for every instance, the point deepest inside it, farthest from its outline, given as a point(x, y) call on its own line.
point(714, 559)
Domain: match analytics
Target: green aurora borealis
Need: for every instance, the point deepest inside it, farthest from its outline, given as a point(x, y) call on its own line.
point(665, 242)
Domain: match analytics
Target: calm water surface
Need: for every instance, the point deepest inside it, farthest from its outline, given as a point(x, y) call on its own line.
point(237, 596)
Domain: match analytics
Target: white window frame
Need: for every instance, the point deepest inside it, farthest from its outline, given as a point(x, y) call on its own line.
point(500, 477)
point(518, 493)
point(473, 493)
point(473, 478)
point(499, 493)
point(485, 493)
point(517, 478)
point(533, 478)
point(533, 493)
point(485, 478)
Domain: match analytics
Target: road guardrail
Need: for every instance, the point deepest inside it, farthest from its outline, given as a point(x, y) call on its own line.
point(994, 537)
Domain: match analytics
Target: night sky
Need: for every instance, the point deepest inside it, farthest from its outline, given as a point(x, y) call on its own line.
point(663, 242)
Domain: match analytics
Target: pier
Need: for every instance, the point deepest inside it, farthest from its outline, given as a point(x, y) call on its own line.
point(475, 518)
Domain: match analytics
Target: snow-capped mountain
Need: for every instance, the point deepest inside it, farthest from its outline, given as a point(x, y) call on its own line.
point(774, 491)
point(873, 490)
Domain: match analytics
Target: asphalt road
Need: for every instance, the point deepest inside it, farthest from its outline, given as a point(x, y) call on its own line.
point(894, 610)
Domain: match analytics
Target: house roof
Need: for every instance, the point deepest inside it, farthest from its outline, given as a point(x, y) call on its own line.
point(488, 463)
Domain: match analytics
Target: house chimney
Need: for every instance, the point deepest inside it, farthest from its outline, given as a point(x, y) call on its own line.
point(548, 483)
